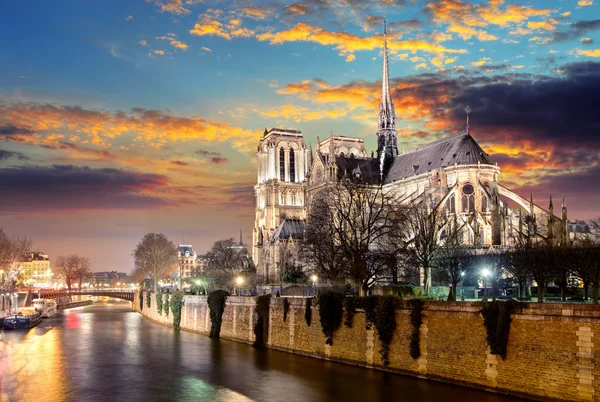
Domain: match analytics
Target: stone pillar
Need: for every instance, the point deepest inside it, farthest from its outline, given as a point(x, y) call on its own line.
point(585, 366)
point(286, 153)
point(491, 369)
point(234, 319)
point(291, 324)
point(370, 345)
point(423, 337)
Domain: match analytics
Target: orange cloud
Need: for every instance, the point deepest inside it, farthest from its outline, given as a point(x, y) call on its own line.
point(549, 25)
point(209, 26)
point(174, 42)
point(154, 128)
point(347, 43)
point(300, 113)
point(173, 7)
point(590, 53)
point(463, 17)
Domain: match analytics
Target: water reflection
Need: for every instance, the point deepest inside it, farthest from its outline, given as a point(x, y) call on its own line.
point(105, 352)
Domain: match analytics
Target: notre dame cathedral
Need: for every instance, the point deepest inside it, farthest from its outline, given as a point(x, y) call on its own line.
point(454, 170)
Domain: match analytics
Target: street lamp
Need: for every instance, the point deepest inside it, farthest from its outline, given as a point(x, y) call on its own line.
point(485, 273)
point(239, 281)
point(314, 279)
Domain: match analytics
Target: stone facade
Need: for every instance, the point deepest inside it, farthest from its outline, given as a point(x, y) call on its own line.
point(551, 348)
point(454, 173)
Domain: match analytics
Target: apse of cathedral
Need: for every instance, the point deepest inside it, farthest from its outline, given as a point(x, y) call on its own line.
point(455, 172)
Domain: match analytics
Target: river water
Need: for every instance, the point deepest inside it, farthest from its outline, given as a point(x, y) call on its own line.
point(105, 352)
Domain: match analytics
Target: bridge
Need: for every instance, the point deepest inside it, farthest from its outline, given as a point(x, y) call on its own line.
point(119, 294)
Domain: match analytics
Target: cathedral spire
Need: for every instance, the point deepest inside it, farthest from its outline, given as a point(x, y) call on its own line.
point(386, 120)
point(468, 112)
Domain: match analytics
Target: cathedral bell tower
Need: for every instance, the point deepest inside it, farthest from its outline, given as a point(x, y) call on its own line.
point(387, 147)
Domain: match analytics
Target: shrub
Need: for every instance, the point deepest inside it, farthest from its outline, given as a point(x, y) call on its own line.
point(497, 319)
point(148, 299)
point(176, 305)
point(166, 305)
point(385, 322)
point(331, 308)
point(351, 303)
point(141, 300)
point(262, 312)
point(216, 304)
point(369, 304)
point(308, 311)
point(416, 319)
point(286, 308)
point(159, 303)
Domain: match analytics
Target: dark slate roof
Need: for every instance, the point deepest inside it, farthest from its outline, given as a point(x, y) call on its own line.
point(183, 248)
point(289, 226)
point(367, 167)
point(459, 149)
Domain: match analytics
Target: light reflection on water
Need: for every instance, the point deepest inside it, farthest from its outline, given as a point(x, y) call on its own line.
point(104, 352)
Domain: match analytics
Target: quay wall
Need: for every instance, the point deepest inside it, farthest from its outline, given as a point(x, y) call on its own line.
point(553, 349)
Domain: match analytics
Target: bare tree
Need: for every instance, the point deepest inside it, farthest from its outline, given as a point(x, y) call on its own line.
point(420, 231)
point(12, 252)
point(362, 219)
point(225, 260)
point(451, 261)
point(83, 271)
point(156, 255)
point(66, 268)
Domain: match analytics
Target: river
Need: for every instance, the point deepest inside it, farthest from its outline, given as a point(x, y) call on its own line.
point(105, 352)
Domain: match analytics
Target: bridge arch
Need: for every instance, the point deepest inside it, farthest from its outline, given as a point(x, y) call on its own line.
point(124, 295)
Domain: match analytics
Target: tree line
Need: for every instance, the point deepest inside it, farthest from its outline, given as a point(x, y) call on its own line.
point(70, 268)
point(361, 234)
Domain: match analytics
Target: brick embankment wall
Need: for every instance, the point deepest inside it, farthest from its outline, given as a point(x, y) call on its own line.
point(551, 355)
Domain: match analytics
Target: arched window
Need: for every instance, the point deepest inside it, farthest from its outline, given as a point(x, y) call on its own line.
point(281, 164)
point(464, 206)
point(293, 198)
point(471, 203)
point(453, 204)
point(484, 204)
point(292, 166)
point(282, 198)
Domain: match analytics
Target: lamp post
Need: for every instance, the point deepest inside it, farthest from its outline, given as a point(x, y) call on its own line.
point(462, 289)
point(485, 273)
point(314, 278)
point(239, 281)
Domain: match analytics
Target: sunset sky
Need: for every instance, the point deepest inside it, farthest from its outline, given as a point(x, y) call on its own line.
point(119, 118)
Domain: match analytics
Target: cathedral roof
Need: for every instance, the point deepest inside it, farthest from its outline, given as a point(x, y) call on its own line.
point(459, 149)
point(289, 227)
point(367, 168)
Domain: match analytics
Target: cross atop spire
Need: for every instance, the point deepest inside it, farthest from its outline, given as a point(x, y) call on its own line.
point(468, 112)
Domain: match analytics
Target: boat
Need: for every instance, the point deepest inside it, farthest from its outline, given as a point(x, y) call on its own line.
point(25, 318)
point(47, 307)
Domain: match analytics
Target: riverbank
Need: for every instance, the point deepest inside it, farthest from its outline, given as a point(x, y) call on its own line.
point(550, 351)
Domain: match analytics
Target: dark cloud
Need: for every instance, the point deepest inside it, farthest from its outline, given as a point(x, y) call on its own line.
point(238, 195)
point(579, 190)
point(561, 111)
point(180, 163)
point(10, 154)
point(576, 29)
point(297, 9)
point(68, 187)
point(9, 130)
point(214, 157)
point(408, 25)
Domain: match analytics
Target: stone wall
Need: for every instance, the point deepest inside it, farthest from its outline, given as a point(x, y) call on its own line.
point(551, 348)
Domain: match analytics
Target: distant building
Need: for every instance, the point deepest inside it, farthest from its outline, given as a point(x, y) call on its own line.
point(36, 269)
point(189, 263)
point(579, 230)
point(111, 279)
